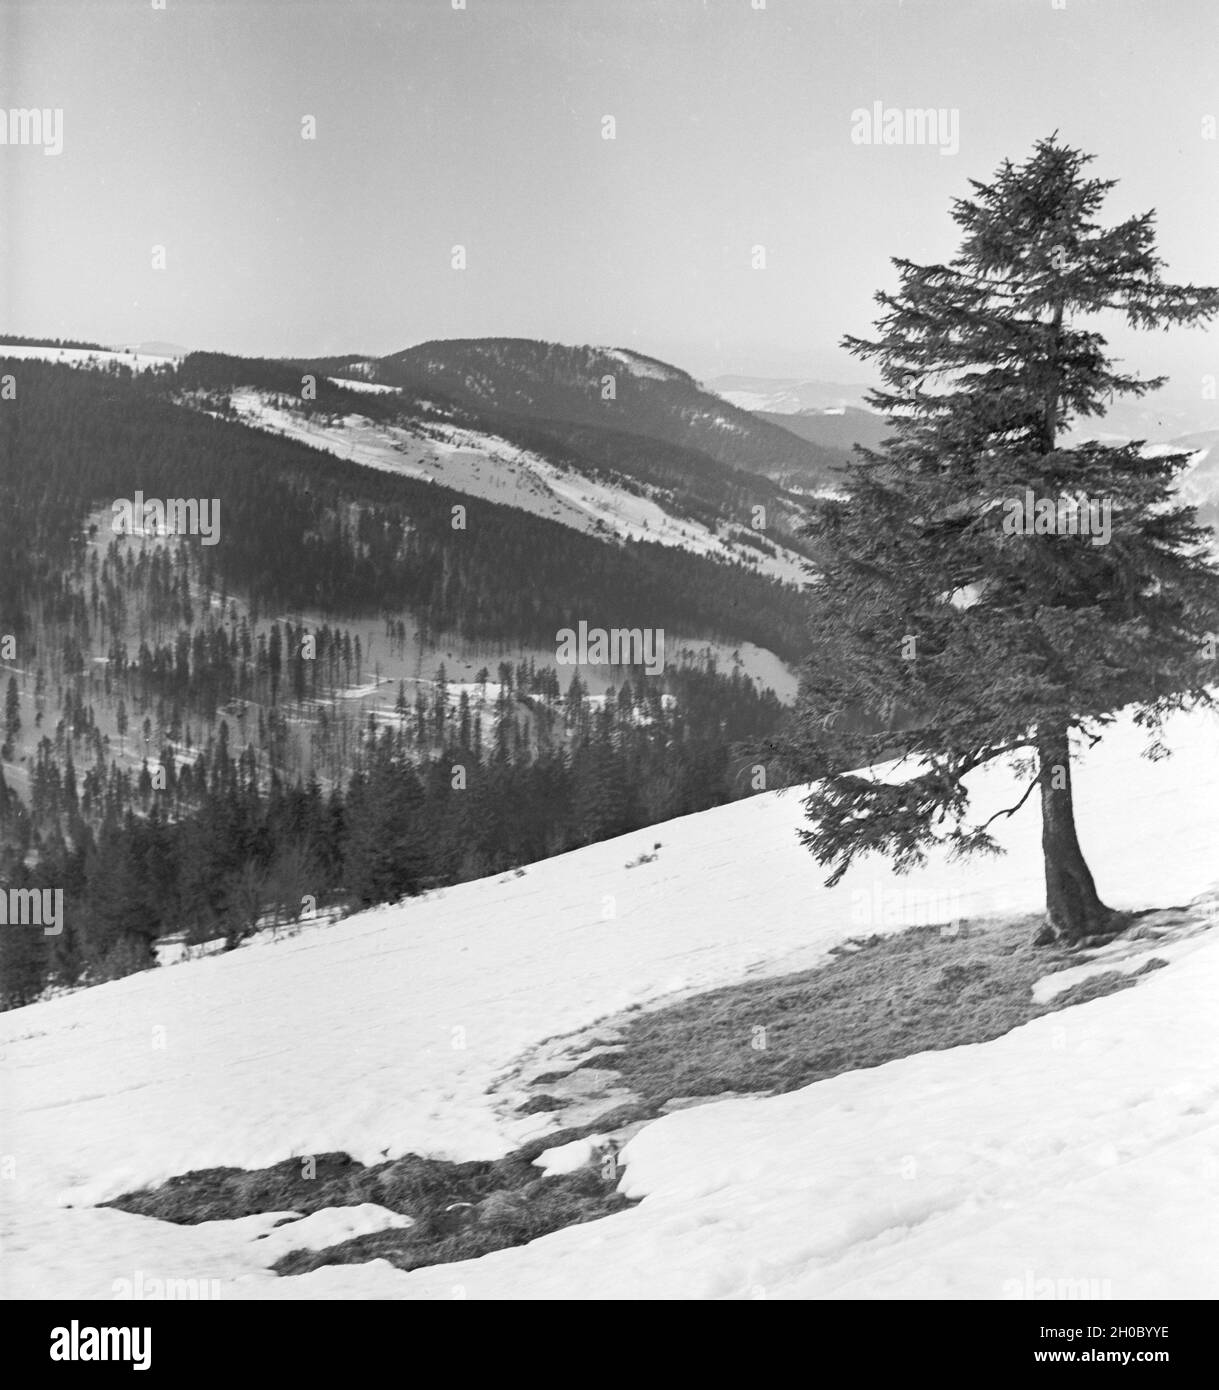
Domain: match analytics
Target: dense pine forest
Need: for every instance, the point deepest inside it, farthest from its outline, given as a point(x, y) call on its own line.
point(200, 739)
point(448, 790)
point(303, 529)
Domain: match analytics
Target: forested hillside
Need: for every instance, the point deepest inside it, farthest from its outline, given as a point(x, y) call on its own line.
point(614, 447)
point(604, 387)
point(304, 529)
point(200, 737)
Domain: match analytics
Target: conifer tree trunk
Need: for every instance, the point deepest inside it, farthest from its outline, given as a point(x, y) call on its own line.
point(1073, 909)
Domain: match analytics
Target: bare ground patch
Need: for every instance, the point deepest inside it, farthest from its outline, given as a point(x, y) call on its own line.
point(877, 999)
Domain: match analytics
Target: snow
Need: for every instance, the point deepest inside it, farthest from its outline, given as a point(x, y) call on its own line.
point(86, 357)
point(1123, 958)
point(1083, 1146)
point(1199, 481)
point(639, 367)
point(359, 692)
point(485, 465)
point(327, 1227)
point(568, 1158)
point(371, 388)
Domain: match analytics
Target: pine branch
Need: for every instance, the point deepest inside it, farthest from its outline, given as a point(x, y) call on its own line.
point(1011, 810)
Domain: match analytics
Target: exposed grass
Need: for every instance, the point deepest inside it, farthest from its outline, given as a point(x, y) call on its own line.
point(921, 990)
point(505, 1217)
point(220, 1194)
point(460, 1210)
point(1107, 982)
point(537, 1105)
point(878, 999)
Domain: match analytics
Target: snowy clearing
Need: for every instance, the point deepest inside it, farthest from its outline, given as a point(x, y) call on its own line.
point(371, 388)
point(90, 358)
point(484, 465)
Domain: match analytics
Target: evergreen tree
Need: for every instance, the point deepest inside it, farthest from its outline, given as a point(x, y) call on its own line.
point(123, 920)
point(25, 954)
point(945, 635)
point(386, 847)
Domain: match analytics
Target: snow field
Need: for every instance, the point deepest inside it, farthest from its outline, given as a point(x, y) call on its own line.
point(1084, 1145)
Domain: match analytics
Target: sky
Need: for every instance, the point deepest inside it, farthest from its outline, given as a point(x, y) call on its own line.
point(485, 127)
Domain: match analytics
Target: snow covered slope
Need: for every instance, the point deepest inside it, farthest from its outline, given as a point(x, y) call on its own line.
point(92, 358)
point(1081, 1147)
point(484, 465)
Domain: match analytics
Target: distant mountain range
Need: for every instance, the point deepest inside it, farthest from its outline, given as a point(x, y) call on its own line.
point(705, 453)
point(810, 408)
point(839, 429)
point(1159, 419)
point(829, 415)
point(787, 395)
point(598, 388)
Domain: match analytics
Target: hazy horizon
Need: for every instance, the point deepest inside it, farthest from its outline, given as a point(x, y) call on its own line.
point(484, 128)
